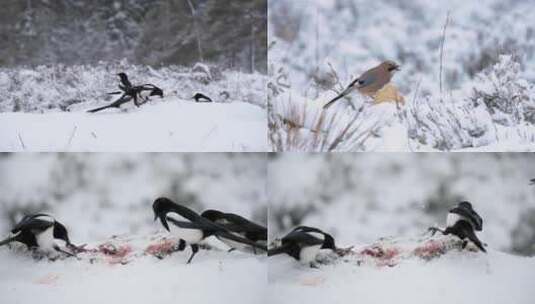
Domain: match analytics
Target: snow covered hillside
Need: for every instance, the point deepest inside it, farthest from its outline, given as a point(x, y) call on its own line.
point(55, 100)
point(451, 277)
point(476, 94)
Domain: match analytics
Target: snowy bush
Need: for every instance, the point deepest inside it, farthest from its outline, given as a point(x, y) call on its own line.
point(508, 97)
point(470, 117)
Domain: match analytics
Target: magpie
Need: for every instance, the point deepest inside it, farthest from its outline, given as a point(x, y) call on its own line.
point(303, 243)
point(201, 98)
point(41, 232)
point(190, 227)
point(130, 92)
point(461, 222)
point(239, 226)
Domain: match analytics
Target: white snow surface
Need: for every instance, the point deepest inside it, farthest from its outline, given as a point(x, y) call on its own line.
point(213, 276)
point(170, 125)
point(457, 277)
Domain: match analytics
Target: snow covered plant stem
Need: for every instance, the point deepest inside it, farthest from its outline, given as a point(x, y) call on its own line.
point(442, 50)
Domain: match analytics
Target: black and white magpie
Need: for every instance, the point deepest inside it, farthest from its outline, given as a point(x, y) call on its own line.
point(130, 92)
point(201, 98)
point(239, 226)
point(190, 227)
point(304, 243)
point(43, 233)
point(461, 222)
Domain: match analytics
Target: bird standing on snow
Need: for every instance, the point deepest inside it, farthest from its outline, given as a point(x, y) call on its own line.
point(304, 243)
point(238, 226)
point(370, 81)
point(201, 98)
point(43, 233)
point(461, 222)
point(190, 227)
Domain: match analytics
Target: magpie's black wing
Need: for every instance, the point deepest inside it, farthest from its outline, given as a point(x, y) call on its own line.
point(188, 225)
point(186, 212)
point(30, 222)
point(471, 215)
point(301, 238)
point(224, 233)
point(33, 225)
point(328, 241)
point(240, 224)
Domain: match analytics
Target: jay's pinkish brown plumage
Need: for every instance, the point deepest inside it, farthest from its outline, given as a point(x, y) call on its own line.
point(370, 81)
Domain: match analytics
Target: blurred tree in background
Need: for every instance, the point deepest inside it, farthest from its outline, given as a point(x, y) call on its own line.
point(231, 34)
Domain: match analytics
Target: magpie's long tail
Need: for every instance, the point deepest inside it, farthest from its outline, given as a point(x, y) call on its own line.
point(238, 239)
point(476, 241)
point(277, 250)
point(100, 109)
point(8, 240)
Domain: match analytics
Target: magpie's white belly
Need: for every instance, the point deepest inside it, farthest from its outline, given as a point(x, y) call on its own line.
point(191, 236)
point(452, 219)
point(46, 240)
point(308, 254)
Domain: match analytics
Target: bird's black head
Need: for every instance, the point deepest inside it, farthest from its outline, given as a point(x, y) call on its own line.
point(161, 207)
point(122, 75)
point(328, 242)
point(212, 215)
point(156, 92)
point(60, 232)
point(466, 205)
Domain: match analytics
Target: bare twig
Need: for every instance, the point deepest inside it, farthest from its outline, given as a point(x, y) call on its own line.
point(21, 142)
point(442, 50)
point(72, 136)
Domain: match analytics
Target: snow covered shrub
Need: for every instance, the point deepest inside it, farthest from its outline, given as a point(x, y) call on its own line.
point(448, 124)
point(59, 87)
point(505, 93)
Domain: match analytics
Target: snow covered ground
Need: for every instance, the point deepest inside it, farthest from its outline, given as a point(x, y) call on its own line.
point(457, 277)
point(169, 125)
point(44, 108)
point(213, 276)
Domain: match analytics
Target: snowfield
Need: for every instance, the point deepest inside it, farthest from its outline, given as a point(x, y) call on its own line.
point(455, 277)
point(134, 276)
point(169, 125)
